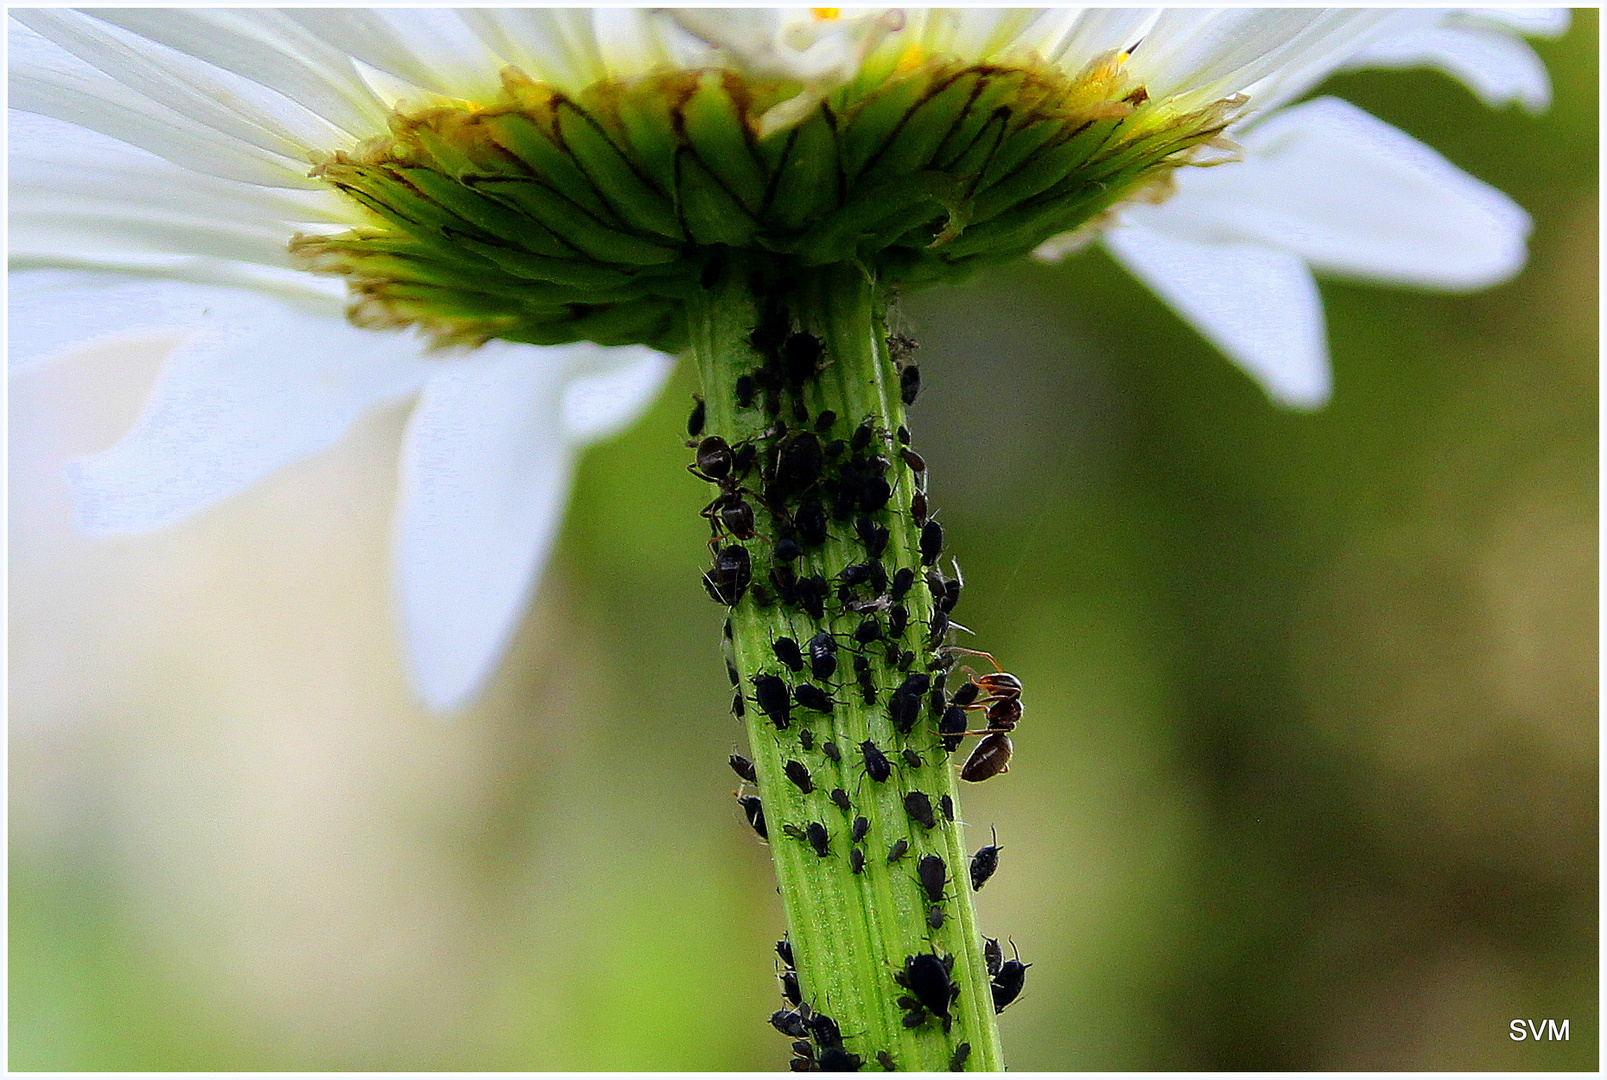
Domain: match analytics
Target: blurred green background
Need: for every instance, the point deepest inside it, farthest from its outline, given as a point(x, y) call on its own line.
point(1308, 780)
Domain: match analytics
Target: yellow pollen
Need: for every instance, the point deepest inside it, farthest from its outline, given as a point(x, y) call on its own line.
point(910, 59)
point(826, 13)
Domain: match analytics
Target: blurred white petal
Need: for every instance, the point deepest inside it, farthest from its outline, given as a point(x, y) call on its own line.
point(486, 469)
point(1496, 66)
point(603, 401)
point(1258, 305)
point(258, 385)
point(1354, 196)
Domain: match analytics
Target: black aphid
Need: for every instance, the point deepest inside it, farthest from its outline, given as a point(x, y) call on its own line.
point(918, 507)
point(885, 1060)
point(912, 757)
point(788, 1022)
point(961, 1053)
point(798, 773)
point(810, 521)
point(909, 384)
point(860, 828)
point(786, 651)
point(934, 917)
point(926, 975)
point(789, 987)
point(863, 434)
point(784, 950)
point(873, 536)
point(902, 581)
point(818, 838)
point(1007, 984)
point(836, 1059)
point(992, 955)
point(755, 810)
point(745, 389)
point(829, 748)
point(856, 861)
point(787, 549)
point(868, 631)
point(822, 650)
point(898, 618)
point(867, 680)
point(897, 850)
point(770, 693)
point(985, 862)
point(877, 767)
point(738, 709)
point(806, 738)
point(744, 768)
point(812, 697)
point(694, 423)
point(931, 542)
point(934, 875)
point(919, 807)
point(840, 798)
point(824, 422)
point(945, 806)
point(812, 592)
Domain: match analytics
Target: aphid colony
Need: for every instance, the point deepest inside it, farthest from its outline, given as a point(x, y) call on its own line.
point(787, 502)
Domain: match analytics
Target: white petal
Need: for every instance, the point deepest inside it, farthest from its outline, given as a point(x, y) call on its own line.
point(1497, 67)
point(1259, 306)
point(486, 468)
point(1353, 196)
point(622, 384)
point(257, 386)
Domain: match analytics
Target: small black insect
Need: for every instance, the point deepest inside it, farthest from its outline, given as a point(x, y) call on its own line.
point(931, 542)
point(961, 1053)
point(992, 955)
point(786, 651)
point(799, 461)
point(770, 694)
point(840, 797)
point(855, 574)
point(938, 628)
point(868, 631)
point(806, 738)
point(856, 861)
point(867, 680)
point(810, 521)
point(966, 695)
point(801, 355)
point(951, 588)
point(743, 768)
point(934, 874)
point(812, 697)
point(824, 422)
point(926, 975)
point(885, 1060)
point(909, 384)
point(952, 728)
point(784, 950)
point(904, 707)
point(912, 757)
point(829, 748)
point(945, 806)
point(745, 389)
point(694, 423)
point(917, 466)
point(918, 508)
point(1007, 984)
point(787, 549)
point(917, 1014)
point(985, 862)
point(799, 775)
point(874, 537)
point(938, 701)
point(789, 987)
point(836, 1059)
point(902, 581)
point(860, 828)
point(824, 1029)
point(863, 434)
point(755, 810)
point(877, 767)
point(738, 709)
point(812, 592)
point(788, 1022)
point(729, 578)
point(934, 917)
point(898, 618)
point(919, 807)
point(897, 850)
point(818, 838)
point(785, 581)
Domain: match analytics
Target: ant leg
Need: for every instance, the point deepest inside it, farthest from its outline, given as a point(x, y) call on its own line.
point(975, 652)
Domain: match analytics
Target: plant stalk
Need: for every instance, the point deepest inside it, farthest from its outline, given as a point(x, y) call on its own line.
point(850, 933)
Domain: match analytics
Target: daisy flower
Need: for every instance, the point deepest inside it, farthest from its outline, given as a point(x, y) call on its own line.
point(499, 212)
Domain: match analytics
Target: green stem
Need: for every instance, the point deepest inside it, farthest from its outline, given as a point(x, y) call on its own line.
point(850, 933)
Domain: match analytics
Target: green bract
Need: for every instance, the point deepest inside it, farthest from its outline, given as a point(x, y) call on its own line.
point(547, 218)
